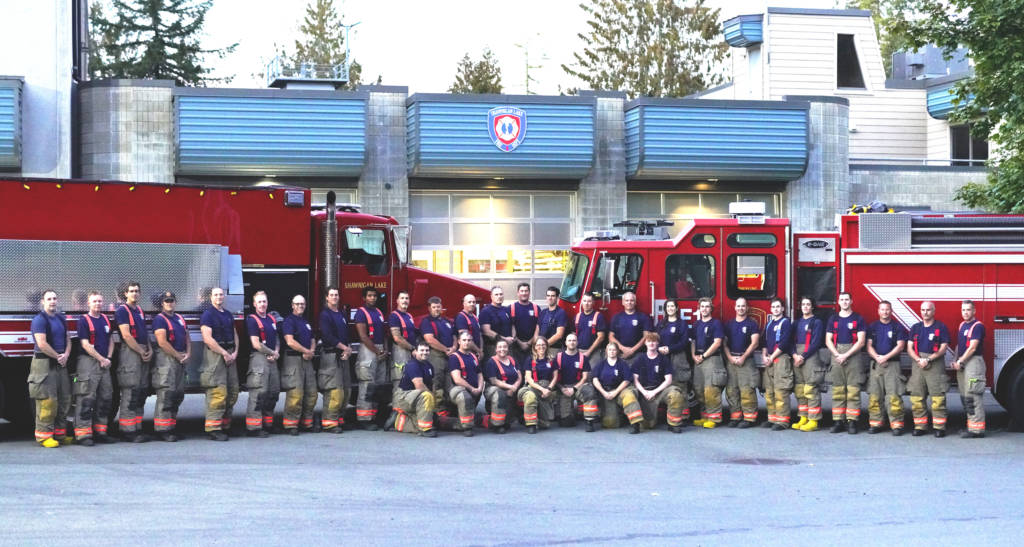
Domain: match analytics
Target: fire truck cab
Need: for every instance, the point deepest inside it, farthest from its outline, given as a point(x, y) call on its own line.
point(904, 258)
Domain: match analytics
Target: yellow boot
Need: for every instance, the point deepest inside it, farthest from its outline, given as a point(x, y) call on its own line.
point(798, 425)
point(66, 439)
point(811, 425)
point(708, 424)
point(49, 443)
point(699, 422)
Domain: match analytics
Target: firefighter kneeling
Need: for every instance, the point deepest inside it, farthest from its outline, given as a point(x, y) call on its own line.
point(652, 376)
point(414, 395)
point(611, 379)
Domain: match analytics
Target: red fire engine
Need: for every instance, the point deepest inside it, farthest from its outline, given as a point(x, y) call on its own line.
point(904, 258)
point(73, 237)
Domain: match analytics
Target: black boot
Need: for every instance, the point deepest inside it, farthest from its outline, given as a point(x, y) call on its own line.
point(590, 426)
point(838, 427)
point(261, 433)
point(851, 427)
point(634, 429)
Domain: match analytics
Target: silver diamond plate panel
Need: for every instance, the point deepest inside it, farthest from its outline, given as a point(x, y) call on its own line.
point(1007, 343)
point(73, 268)
point(884, 231)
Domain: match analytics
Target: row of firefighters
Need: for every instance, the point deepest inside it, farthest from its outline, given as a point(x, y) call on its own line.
point(521, 358)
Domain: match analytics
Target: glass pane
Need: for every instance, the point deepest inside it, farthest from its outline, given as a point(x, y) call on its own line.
point(574, 277)
point(682, 205)
point(703, 241)
point(428, 206)
point(473, 234)
point(550, 261)
point(689, 277)
point(509, 286)
point(552, 234)
point(512, 234)
point(751, 240)
point(435, 261)
point(716, 204)
point(624, 271)
point(511, 206)
point(474, 261)
point(643, 205)
point(541, 284)
point(552, 207)
point(318, 196)
point(753, 276)
point(471, 206)
point(767, 199)
point(521, 260)
point(818, 283)
point(430, 234)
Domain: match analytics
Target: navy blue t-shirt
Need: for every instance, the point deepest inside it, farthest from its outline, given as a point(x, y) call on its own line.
point(844, 329)
point(778, 334)
point(810, 333)
point(441, 328)
point(222, 323)
point(404, 323)
point(498, 318)
point(297, 326)
point(571, 368)
point(739, 333)
point(629, 327)
point(928, 339)
point(375, 325)
point(268, 335)
point(55, 328)
point(550, 320)
point(466, 364)
point(469, 322)
point(652, 372)
point(968, 331)
point(524, 317)
point(496, 369)
point(333, 328)
point(674, 335)
point(612, 375)
point(415, 368)
point(177, 334)
point(587, 328)
point(99, 335)
point(135, 318)
point(539, 369)
point(704, 333)
point(885, 336)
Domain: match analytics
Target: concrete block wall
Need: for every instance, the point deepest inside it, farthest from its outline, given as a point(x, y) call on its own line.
point(813, 200)
point(127, 130)
point(912, 186)
point(384, 184)
point(601, 200)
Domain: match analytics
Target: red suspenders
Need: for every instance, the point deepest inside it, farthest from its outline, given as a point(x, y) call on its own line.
point(92, 328)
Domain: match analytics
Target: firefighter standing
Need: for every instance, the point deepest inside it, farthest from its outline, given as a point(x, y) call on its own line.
point(174, 349)
point(495, 322)
point(371, 365)
point(926, 346)
point(219, 372)
point(333, 378)
point(298, 378)
point(503, 382)
point(414, 396)
point(886, 341)
point(612, 379)
point(524, 315)
point(133, 364)
point(844, 338)
point(466, 321)
point(675, 337)
point(553, 323)
point(439, 334)
point(710, 375)
point(403, 337)
point(652, 377)
point(629, 327)
point(574, 385)
point(742, 339)
point(778, 366)
point(971, 370)
point(48, 381)
point(467, 383)
point(263, 381)
point(808, 370)
point(538, 394)
point(591, 330)
point(92, 387)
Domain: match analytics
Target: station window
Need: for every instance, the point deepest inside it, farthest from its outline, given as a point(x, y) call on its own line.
point(967, 149)
point(752, 276)
point(756, 241)
point(689, 277)
point(848, 72)
point(624, 273)
point(365, 247)
point(682, 206)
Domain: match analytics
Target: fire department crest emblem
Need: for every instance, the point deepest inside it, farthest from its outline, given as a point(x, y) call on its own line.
point(507, 127)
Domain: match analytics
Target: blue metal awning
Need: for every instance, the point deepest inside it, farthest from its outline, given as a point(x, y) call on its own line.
point(743, 30)
point(10, 123)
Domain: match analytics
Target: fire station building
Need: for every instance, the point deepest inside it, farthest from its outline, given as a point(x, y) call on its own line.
point(497, 187)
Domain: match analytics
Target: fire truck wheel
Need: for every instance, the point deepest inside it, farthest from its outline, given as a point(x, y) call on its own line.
point(17, 407)
point(1016, 400)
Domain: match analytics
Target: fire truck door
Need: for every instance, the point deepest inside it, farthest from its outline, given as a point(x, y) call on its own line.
point(365, 261)
point(617, 274)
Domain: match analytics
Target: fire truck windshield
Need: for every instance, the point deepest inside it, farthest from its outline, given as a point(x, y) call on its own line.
point(575, 275)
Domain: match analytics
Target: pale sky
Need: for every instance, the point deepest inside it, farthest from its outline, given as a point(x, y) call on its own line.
point(419, 43)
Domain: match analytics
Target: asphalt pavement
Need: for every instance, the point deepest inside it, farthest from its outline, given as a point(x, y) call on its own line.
point(559, 487)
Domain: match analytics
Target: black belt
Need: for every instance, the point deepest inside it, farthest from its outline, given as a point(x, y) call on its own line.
point(40, 355)
point(292, 353)
point(328, 351)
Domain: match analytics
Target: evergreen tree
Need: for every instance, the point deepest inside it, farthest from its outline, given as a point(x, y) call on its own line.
point(323, 40)
point(651, 48)
point(155, 39)
point(483, 76)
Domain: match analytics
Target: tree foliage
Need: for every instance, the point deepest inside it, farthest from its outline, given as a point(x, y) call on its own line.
point(156, 39)
point(323, 40)
point(651, 48)
point(883, 13)
point(483, 76)
point(993, 31)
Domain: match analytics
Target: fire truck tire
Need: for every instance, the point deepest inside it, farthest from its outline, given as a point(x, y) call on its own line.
point(1016, 399)
point(17, 407)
